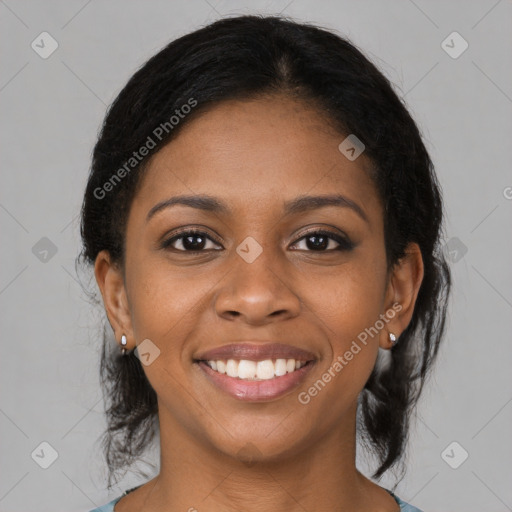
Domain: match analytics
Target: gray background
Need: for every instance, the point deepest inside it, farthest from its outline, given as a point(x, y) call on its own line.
point(51, 112)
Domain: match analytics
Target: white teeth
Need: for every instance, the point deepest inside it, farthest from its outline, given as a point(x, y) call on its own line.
point(265, 369)
point(255, 370)
point(232, 368)
point(246, 369)
point(280, 367)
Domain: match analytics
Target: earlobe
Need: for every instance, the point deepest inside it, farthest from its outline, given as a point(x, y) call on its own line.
point(111, 284)
point(402, 291)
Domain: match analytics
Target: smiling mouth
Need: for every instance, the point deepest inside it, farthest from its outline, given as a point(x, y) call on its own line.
point(249, 370)
point(256, 371)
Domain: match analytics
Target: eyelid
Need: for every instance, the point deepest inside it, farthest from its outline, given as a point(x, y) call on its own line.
point(343, 241)
point(177, 235)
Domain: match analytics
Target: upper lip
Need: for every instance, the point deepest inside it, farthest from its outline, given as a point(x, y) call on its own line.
point(256, 352)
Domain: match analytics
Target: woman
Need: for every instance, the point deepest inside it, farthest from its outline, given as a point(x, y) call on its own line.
point(264, 223)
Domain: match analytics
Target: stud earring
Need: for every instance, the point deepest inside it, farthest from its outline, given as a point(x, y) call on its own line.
point(123, 344)
point(393, 339)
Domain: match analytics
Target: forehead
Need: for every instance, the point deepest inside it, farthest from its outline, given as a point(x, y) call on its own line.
point(257, 153)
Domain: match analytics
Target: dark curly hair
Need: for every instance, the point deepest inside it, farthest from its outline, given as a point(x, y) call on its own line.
point(246, 57)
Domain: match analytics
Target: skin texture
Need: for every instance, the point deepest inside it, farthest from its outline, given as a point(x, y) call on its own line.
point(254, 155)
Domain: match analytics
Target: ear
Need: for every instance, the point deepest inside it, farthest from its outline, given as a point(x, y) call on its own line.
point(401, 293)
point(111, 284)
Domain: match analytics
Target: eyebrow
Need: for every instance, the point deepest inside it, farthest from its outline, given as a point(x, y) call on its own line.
point(298, 205)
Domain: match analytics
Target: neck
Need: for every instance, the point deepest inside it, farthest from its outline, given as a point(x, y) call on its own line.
point(319, 475)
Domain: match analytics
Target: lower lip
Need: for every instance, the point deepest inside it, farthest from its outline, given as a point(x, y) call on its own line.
point(256, 390)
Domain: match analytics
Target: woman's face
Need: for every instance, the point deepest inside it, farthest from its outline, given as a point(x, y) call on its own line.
point(256, 277)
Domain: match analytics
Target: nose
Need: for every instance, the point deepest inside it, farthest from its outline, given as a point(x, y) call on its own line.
point(257, 293)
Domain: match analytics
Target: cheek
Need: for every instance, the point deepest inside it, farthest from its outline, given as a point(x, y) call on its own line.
point(349, 312)
point(350, 306)
point(351, 300)
point(166, 304)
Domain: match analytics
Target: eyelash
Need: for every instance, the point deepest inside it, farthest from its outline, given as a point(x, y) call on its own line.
point(344, 244)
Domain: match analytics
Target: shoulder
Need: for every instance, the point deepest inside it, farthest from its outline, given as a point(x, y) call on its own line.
point(405, 507)
point(108, 507)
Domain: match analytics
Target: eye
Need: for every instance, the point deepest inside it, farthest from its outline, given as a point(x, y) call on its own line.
point(192, 240)
point(320, 240)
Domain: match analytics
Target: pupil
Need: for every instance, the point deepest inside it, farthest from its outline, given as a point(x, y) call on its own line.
point(320, 242)
point(191, 246)
point(312, 241)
